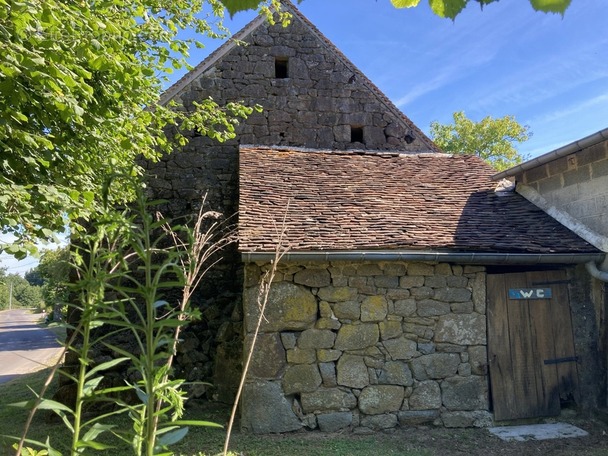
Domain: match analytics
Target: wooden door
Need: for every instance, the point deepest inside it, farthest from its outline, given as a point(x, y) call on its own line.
point(530, 344)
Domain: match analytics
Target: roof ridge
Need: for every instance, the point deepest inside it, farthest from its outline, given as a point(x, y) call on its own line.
point(373, 152)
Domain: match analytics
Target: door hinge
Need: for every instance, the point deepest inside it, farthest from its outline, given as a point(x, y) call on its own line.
point(568, 359)
point(552, 282)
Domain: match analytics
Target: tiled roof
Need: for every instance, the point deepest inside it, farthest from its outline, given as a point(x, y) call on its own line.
point(364, 201)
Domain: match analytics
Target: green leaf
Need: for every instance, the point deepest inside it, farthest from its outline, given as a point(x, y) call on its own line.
point(105, 366)
point(196, 423)
point(89, 387)
point(551, 6)
point(47, 446)
point(405, 3)
point(88, 440)
point(92, 444)
point(236, 6)
point(45, 404)
point(143, 397)
point(447, 8)
point(88, 196)
point(161, 303)
point(173, 437)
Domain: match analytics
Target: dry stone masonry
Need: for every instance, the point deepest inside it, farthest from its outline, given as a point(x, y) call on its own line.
point(367, 347)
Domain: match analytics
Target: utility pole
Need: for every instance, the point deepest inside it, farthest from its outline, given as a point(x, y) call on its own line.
point(10, 297)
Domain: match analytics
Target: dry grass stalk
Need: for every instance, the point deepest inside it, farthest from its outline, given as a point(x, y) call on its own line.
point(262, 301)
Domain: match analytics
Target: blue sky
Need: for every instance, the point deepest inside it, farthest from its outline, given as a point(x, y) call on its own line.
point(550, 72)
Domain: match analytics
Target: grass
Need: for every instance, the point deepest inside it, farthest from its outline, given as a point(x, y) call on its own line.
point(210, 441)
point(13, 419)
point(422, 441)
point(199, 441)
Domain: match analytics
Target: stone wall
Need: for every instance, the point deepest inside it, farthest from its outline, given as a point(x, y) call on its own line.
point(367, 346)
point(588, 300)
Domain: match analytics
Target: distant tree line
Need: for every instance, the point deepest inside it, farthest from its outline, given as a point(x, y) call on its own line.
point(41, 288)
point(16, 291)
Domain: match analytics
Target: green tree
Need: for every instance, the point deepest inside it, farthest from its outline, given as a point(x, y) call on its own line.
point(79, 89)
point(15, 291)
point(491, 139)
point(33, 277)
point(27, 295)
point(54, 270)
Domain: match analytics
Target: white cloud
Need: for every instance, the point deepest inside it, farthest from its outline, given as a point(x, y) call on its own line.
point(574, 108)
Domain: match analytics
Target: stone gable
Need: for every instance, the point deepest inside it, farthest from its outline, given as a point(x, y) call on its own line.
point(323, 102)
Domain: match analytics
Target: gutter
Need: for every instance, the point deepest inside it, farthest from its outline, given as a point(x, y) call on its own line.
point(568, 149)
point(479, 258)
point(600, 273)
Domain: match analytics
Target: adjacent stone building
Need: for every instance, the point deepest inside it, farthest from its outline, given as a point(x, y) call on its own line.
point(402, 266)
point(571, 184)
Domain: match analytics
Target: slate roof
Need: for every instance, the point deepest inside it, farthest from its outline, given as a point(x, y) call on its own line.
point(357, 201)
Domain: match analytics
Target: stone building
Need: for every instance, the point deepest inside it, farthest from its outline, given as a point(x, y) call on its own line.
point(409, 282)
point(312, 96)
point(571, 184)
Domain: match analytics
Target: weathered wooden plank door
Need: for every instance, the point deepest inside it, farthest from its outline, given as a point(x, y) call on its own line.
point(530, 344)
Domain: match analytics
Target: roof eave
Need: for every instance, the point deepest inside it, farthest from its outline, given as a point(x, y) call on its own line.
point(480, 258)
point(568, 149)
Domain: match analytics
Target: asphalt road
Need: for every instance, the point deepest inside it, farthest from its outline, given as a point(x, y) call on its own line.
point(24, 345)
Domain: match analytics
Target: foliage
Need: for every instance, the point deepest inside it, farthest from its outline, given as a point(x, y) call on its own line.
point(15, 291)
point(126, 263)
point(451, 8)
point(491, 139)
point(80, 84)
point(54, 270)
point(33, 277)
point(442, 8)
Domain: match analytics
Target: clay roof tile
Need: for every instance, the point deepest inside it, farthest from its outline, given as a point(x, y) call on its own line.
point(357, 201)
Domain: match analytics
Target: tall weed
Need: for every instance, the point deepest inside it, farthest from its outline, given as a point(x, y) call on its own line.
point(127, 268)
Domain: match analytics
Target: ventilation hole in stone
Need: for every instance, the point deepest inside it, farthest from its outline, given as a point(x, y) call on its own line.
point(409, 138)
point(356, 134)
point(281, 67)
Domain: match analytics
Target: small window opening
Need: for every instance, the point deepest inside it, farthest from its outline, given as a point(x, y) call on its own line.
point(281, 67)
point(356, 134)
